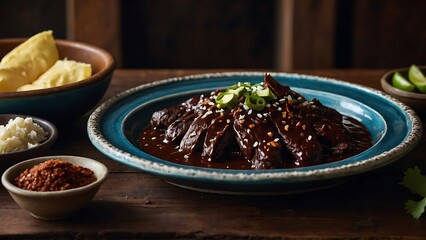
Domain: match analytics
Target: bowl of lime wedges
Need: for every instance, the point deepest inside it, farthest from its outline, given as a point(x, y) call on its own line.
point(407, 85)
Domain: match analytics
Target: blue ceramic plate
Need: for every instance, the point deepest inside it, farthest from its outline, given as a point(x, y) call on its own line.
point(114, 128)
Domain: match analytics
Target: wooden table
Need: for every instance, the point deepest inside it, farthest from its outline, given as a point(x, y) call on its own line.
point(132, 204)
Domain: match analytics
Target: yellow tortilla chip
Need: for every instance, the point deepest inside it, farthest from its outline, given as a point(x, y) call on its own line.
point(28, 61)
point(61, 73)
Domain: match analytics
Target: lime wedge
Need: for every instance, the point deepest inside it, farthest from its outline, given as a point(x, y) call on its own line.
point(416, 77)
point(401, 82)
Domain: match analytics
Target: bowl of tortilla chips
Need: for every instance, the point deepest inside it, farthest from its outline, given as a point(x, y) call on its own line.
point(59, 80)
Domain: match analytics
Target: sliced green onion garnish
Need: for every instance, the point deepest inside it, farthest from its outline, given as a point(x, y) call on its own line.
point(255, 102)
point(255, 96)
point(238, 91)
point(226, 100)
point(266, 93)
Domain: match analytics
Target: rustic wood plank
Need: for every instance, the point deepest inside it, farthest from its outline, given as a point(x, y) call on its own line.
point(388, 33)
point(314, 34)
point(97, 22)
point(26, 18)
point(284, 31)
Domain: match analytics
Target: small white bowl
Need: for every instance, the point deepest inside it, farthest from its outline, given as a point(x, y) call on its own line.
point(11, 158)
point(55, 204)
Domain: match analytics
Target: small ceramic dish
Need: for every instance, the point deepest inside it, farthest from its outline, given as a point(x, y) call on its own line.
point(10, 158)
point(68, 102)
point(54, 205)
point(416, 100)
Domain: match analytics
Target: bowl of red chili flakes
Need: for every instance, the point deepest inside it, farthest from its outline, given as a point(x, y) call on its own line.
point(54, 187)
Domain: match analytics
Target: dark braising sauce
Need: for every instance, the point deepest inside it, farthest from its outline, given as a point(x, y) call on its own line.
point(151, 141)
point(260, 126)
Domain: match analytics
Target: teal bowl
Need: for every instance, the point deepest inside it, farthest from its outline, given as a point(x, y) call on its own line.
point(114, 129)
point(68, 102)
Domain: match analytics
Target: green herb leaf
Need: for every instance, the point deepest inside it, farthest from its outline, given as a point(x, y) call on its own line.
point(415, 181)
point(414, 208)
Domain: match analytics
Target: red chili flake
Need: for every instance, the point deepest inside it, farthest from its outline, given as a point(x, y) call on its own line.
point(54, 175)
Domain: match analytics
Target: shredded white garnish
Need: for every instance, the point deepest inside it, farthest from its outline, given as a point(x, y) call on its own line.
point(20, 134)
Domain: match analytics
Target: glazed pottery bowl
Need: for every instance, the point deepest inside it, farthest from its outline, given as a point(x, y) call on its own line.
point(54, 204)
point(11, 158)
point(68, 102)
point(115, 127)
point(416, 100)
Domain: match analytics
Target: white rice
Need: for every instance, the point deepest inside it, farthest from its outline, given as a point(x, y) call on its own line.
point(19, 134)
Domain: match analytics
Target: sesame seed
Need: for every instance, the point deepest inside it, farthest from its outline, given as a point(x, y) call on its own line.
point(304, 127)
point(251, 125)
point(276, 139)
point(286, 127)
point(255, 144)
point(259, 115)
point(228, 120)
point(309, 137)
point(298, 124)
point(250, 111)
point(280, 109)
point(270, 134)
point(153, 138)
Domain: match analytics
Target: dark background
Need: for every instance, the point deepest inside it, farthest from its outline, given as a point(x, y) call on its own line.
point(241, 33)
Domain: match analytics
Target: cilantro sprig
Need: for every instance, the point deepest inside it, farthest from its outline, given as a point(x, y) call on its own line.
point(416, 183)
